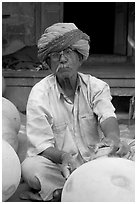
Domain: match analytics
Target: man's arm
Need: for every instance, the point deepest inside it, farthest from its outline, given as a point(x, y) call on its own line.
point(60, 157)
point(111, 131)
point(53, 154)
point(104, 109)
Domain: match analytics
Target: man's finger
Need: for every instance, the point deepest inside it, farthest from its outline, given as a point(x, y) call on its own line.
point(66, 171)
point(113, 151)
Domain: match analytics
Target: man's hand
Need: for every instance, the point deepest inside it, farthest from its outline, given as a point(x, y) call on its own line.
point(63, 159)
point(111, 148)
point(111, 132)
point(68, 164)
point(120, 149)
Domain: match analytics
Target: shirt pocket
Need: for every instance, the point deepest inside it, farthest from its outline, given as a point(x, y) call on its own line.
point(59, 130)
point(89, 128)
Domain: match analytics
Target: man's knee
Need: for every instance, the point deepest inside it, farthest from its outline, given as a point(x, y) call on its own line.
point(29, 169)
point(28, 165)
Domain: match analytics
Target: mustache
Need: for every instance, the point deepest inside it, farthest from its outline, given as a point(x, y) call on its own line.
point(61, 66)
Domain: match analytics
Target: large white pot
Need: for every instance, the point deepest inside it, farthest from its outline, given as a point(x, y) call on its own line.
point(101, 180)
point(11, 171)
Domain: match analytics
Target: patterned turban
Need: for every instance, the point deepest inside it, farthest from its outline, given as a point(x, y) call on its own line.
point(60, 36)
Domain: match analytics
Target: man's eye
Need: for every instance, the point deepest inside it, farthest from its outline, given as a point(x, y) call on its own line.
point(68, 51)
point(55, 54)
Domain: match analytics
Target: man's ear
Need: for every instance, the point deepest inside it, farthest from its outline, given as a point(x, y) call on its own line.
point(46, 63)
point(80, 62)
point(80, 57)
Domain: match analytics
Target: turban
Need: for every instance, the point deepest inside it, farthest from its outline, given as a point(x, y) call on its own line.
point(59, 36)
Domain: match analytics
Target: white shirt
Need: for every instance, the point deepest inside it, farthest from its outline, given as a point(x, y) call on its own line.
point(53, 120)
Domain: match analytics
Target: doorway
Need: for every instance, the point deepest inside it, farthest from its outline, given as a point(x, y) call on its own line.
point(97, 19)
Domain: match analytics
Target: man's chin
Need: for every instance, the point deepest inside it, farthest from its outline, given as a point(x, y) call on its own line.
point(64, 75)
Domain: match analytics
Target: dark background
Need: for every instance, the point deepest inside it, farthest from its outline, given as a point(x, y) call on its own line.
point(102, 16)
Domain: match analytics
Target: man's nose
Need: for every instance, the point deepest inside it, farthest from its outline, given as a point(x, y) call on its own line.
point(62, 57)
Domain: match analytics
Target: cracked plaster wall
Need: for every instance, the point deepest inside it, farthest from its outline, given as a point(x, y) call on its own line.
point(18, 26)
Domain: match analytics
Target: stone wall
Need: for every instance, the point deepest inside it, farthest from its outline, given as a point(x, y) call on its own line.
point(18, 26)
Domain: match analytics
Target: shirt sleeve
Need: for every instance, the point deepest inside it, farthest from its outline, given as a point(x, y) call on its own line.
point(39, 123)
point(102, 105)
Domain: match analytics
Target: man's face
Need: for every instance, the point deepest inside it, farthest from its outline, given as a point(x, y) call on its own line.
point(65, 63)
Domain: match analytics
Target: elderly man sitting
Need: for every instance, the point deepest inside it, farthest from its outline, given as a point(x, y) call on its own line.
point(64, 112)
